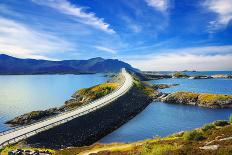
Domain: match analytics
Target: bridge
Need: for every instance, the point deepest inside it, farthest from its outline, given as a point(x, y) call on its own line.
point(19, 133)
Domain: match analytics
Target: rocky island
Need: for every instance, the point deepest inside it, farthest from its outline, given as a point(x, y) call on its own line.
point(199, 99)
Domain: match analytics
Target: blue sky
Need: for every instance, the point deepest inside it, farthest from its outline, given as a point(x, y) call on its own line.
point(149, 34)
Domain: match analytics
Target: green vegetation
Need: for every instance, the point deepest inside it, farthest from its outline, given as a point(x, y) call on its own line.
point(221, 123)
point(145, 87)
point(158, 149)
point(230, 119)
point(208, 127)
point(179, 75)
point(193, 135)
point(213, 98)
point(97, 91)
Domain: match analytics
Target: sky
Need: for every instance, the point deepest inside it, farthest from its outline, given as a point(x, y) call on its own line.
point(148, 34)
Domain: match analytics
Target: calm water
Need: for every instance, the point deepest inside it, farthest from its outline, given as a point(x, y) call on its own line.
point(219, 86)
point(23, 93)
point(163, 119)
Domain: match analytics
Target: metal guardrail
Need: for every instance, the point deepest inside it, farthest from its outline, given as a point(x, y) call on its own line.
point(33, 132)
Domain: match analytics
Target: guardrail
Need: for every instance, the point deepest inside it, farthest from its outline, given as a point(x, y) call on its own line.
point(33, 132)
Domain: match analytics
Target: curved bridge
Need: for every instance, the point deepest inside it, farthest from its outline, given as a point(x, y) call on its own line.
point(20, 133)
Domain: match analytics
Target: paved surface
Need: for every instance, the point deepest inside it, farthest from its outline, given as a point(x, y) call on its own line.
point(24, 132)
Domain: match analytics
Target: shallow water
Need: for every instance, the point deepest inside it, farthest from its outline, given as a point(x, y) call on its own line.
point(24, 93)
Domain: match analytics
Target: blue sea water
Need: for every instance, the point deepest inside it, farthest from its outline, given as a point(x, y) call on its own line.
point(24, 93)
point(161, 119)
point(217, 86)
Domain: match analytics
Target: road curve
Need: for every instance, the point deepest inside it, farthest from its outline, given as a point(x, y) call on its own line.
point(17, 134)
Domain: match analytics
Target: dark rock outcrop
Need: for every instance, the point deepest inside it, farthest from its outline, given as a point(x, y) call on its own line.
point(163, 86)
point(32, 117)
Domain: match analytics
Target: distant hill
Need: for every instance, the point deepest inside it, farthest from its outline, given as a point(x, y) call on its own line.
point(12, 65)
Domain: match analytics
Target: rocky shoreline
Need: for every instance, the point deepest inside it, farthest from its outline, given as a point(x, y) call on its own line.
point(198, 99)
point(188, 98)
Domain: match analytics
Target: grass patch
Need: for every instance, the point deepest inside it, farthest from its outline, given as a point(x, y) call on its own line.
point(193, 135)
point(208, 127)
point(230, 119)
point(159, 149)
point(148, 90)
point(179, 75)
point(213, 98)
point(97, 91)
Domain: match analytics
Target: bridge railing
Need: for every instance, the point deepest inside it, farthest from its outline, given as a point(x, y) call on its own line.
point(51, 125)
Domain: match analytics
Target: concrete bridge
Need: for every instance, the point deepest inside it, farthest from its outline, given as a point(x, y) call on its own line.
point(24, 132)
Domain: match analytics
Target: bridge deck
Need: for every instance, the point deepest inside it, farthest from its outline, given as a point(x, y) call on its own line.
point(18, 134)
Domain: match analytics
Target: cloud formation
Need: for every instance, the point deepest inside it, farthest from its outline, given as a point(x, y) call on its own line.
point(223, 9)
point(19, 40)
point(199, 58)
point(160, 5)
point(67, 8)
point(105, 49)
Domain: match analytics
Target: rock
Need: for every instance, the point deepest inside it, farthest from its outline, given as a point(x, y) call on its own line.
point(163, 86)
point(203, 100)
point(222, 76)
point(200, 77)
point(31, 117)
point(179, 75)
point(145, 76)
point(210, 147)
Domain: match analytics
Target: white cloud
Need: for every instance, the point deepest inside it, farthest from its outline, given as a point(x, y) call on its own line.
point(19, 40)
point(67, 8)
point(106, 49)
point(160, 5)
point(198, 58)
point(223, 9)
